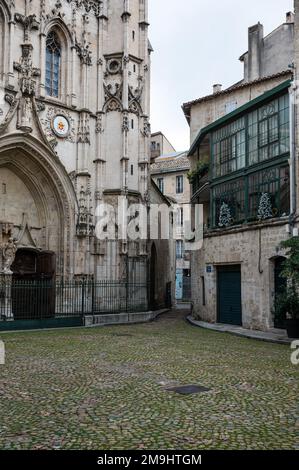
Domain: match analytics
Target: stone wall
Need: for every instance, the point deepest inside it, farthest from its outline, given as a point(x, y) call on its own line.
point(255, 249)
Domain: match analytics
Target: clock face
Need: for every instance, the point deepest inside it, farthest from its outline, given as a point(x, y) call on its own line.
point(61, 126)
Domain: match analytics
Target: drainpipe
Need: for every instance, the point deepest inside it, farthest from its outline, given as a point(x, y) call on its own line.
point(293, 182)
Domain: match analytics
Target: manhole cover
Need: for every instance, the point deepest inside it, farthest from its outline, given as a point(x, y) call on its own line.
point(189, 389)
point(122, 335)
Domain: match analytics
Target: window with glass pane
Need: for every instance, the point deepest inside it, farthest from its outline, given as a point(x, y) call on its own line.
point(229, 148)
point(160, 182)
point(53, 58)
point(179, 249)
point(266, 130)
point(231, 193)
point(276, 183)
point(179, 184)
point(180, 217)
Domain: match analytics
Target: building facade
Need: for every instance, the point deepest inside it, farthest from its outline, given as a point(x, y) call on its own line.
point(74, 135)
point(160, 145)
point(243, 174)
point(170, 174)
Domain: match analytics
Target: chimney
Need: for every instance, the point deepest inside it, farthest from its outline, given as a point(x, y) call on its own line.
point(255, 51)
point(217, 88)
point(290, 17)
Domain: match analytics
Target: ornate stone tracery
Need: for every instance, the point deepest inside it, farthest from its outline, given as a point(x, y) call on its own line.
point(88, 5)
point(113, 97)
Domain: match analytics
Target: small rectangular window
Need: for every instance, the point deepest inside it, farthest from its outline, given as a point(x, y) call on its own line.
point(132, 170)
point(180, 217)
point(179, 184)
point(179, 249)
point(160, 183)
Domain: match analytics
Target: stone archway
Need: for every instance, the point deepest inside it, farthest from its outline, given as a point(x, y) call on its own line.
point(37, 204)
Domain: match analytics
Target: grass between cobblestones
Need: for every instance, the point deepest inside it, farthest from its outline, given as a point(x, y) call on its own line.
point(104, 388)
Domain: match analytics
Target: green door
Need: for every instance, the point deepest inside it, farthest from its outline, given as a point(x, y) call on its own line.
point(229, 295)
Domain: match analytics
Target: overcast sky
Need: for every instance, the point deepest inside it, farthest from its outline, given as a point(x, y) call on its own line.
point(196, 44)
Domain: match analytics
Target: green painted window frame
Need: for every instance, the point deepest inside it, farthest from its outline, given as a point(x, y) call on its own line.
point(243, 194)
point(236, 183)
point(234, 145)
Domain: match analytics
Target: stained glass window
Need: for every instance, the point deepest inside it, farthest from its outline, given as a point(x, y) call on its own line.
point(53, 58)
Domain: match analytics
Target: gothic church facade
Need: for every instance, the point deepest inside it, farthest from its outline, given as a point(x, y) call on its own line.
point(74, 129)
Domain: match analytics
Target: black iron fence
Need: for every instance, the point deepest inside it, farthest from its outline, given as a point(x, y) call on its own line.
point(46, 300)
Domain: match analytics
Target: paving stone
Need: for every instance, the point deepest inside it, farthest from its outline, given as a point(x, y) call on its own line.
point(87, 389)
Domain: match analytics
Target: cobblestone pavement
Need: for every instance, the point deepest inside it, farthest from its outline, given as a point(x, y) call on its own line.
point(105, 388)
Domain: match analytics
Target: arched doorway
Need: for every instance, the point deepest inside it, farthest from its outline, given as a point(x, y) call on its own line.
point(33, 285)
point(153, 278)
point(279, 286)
point(38, 198)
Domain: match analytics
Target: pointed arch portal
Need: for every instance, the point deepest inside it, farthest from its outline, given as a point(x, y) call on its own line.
point(37, 199)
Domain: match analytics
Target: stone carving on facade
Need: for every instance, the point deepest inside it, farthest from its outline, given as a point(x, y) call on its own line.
point(146, 132)
point(13, 103)
point(40, 107)
point(6, 230)
point(113, 67)
point(147, 197)
point(99, 123)
point(84, 129)
point(126, 60)
point(25, 115)
point(135, 95)
point(8, 255)
point(29, 23)
point(125, 126)
point(27, 72)
point(24, 237)
point(89, 5)
point(24, 101)
point(84, 53)
point(10, 99)
point(56, 11)
point(42, 10)
point(113, 97)
point(52, 112)
point(85, 226)
point(83, 48)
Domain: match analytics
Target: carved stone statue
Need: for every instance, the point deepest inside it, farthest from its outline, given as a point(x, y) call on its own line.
point(9, 254)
